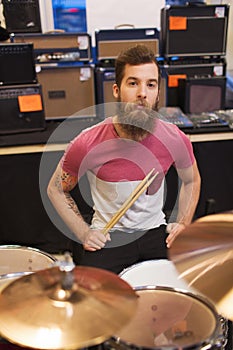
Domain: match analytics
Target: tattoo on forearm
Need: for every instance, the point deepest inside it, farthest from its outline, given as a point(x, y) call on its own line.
point(58, 182)
point(71, 204)
point(65, 182)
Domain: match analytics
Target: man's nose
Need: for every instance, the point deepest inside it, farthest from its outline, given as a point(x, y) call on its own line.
point(142, 91)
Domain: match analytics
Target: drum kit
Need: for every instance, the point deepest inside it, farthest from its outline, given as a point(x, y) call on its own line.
point(184, 302)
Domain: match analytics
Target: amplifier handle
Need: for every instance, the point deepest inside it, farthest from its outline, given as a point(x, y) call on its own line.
point(195, 3)
point(124, 25)
point(55, 31)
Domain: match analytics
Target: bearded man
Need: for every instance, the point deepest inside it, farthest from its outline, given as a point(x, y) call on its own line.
point(116, 155)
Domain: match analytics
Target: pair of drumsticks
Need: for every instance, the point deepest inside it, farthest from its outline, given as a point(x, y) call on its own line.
point(142, 186)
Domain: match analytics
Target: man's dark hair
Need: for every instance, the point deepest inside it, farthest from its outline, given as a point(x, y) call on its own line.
point(134, 56)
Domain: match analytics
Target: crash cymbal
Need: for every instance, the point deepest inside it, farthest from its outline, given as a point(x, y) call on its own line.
point(203, 256)
point(221, 217)
point(55, 309)
point(211, 231)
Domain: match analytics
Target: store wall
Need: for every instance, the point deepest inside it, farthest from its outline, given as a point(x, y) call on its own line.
point(117, 12)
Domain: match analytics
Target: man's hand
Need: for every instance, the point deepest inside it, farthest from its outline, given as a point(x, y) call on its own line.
point(174, 229)
point(95, 240)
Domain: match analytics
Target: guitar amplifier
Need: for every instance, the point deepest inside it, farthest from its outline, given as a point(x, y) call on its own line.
point(105, 78)
point(58, 47)
point(109, 42)
point(67, 89)
point(198, 95)
point(194, 30)
point(22, 16)
point(185, 68)
point(21, 109)
point(17, 64)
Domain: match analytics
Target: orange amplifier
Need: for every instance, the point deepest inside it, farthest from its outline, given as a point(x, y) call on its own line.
point(21, 109)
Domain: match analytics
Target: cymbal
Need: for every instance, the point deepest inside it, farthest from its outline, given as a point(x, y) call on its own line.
point(203, 256)
point(207, 232)
point(55, 309)
point(210, 272)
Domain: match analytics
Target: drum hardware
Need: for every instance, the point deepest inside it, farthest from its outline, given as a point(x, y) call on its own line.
point(203, 256)
point(65, 307)
point(222, 339)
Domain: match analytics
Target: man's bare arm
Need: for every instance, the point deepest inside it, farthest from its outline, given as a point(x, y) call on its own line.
point(188, 199)
point(59, 189)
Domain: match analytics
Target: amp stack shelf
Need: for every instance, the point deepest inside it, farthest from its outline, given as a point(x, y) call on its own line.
point(193, 44)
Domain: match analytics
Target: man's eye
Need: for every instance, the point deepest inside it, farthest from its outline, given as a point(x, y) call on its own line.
point(152, 85)
point(132, 83)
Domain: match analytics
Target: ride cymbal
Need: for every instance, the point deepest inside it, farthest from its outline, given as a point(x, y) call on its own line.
point(203, 256)
point(55, 309)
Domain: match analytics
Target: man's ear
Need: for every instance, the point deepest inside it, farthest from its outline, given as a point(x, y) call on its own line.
point(115, 90)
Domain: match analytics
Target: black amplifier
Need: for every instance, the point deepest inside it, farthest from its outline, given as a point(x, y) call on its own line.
point(21, 109)
point(198, 95)
point(17, 64)
point(185, 68)
point(194, 30)
point(68, 90)
point(109, 42)
point(22, 16)
point(58, 47)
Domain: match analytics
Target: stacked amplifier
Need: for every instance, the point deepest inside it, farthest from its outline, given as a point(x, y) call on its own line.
point(22, 16)
point(65, 71)
point(109, 42)
point(193, 43)
point(21, 102)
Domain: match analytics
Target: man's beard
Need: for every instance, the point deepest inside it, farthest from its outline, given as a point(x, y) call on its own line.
point(136, 119)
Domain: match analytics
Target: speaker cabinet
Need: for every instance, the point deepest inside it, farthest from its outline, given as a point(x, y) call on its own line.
point(109, 42)
point(17, 64)
point(189, 68)
point(202, 95)
point(22, 16)
point(21, 109)
point(193, 30)
point(67, 90)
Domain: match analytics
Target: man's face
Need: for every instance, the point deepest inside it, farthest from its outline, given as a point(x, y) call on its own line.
point(139, 96)
point(139, 85)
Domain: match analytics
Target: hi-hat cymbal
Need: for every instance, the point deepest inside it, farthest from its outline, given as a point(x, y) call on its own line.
point(203, 256)
point(54, 309)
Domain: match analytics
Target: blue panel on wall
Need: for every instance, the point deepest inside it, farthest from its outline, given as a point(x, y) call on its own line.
point(70, 15)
